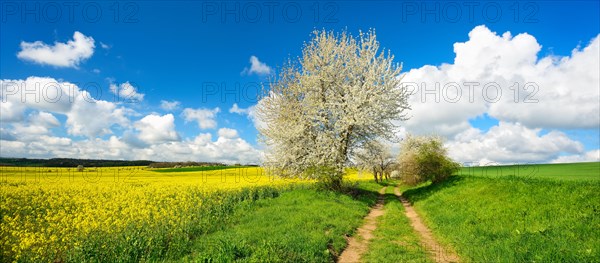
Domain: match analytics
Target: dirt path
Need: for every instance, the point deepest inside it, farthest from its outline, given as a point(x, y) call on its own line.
point(358, 244)
point(440, 255)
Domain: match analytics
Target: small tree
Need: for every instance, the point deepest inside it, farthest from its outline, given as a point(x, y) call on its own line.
point(341, 94)
point(80, 168)
point(425, 158)
point(376, 158)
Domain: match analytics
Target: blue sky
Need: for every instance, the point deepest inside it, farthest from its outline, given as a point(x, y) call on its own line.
point(204, 57)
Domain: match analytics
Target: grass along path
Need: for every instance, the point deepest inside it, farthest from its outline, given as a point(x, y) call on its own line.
point(517, 219)
point(358, 244)
point(395, 240)
point(439, 253)
point(394, 232)
point(304, 225)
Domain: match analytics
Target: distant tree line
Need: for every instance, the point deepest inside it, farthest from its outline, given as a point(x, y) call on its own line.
point(183, 164)
point(70, 162)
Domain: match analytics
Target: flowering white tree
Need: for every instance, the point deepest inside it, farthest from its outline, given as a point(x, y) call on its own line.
point(340, 95)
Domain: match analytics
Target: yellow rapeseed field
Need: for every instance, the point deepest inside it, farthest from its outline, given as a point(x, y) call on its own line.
point(50, 213)
point(118, 213)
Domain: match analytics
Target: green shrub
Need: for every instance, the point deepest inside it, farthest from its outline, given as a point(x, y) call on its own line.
point(424, 158)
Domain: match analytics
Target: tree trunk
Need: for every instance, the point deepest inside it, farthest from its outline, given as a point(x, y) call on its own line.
point(375, 175)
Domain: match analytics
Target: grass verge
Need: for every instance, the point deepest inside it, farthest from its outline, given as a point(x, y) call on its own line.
point(513, 219)
point(394, 239)
point(305, 225)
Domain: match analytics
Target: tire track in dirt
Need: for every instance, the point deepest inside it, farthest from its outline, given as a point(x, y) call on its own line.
point(439, 254)
point(359, 243)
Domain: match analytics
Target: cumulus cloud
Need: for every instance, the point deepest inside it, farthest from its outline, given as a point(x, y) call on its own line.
point(510, 143)
point(44, 119)
point(250, 112)
point(589, 156)
point(29, 114)
point(236, 109)
point(157, 129)
point(204, 117)
point(169, 105)
point(256, 67)
point(59, 97)
point(69, 54)
point(6, 135)
point(503, 76)
point(228, 133)
point(95, 118)
point(224, 149)
point(41, 93)
point(200, 148)
point(126, 92)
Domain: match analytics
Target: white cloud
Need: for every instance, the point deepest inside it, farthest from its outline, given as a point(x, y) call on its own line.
point(41, 93)
point(567, 86)
point(561, 93)
point(6, 135)
point(28, 120)
point(204, 117)
point(510, 143)
point(250, 112)
point(105, 46)
point(201, 148)
point(95, 118)
point(157, 129)
point(256, 67)
point(228, 133)
point(86, 115)
point(589, 156)
point(30, 129)
point(45, 119)
point(126, 92)
point(69, 54)
point(236, 109)
point(11, 111)
point(169, 105)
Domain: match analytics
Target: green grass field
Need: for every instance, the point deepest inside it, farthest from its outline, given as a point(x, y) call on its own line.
point(304, 225)
point(566, 171)
point(552, 216)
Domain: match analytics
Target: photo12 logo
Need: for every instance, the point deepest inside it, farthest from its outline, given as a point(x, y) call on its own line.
point(238, 91)
point(69, 11)
point(268, 12)
point(469, 11)
point(453, 92)
point(55, 92)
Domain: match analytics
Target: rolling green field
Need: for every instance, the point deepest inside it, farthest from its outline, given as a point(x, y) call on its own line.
point(563, 171)
point(551, 216)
